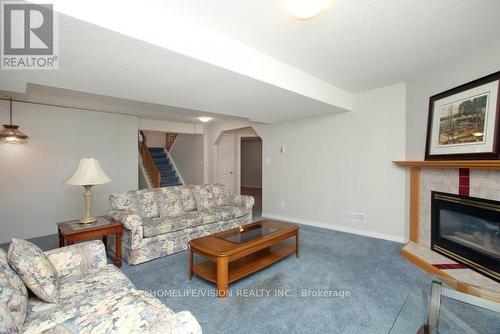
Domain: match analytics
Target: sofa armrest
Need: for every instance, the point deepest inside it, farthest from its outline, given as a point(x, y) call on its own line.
point(186, 323)
point(243, 200)
point(78, 258)
point(129, 220)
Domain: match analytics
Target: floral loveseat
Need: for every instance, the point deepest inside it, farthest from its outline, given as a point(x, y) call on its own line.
point(161, 221)
point(93, 297)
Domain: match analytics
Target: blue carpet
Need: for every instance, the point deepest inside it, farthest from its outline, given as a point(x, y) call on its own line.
point(370, 270)
point(386, 294)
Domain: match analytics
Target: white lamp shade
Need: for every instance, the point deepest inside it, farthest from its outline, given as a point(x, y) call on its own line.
point(88, 173)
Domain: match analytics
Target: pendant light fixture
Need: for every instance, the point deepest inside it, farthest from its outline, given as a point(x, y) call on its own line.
point(10, 133)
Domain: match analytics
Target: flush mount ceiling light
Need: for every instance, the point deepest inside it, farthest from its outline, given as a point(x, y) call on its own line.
point(305, 9)
point(205, 119)
point(10, 133)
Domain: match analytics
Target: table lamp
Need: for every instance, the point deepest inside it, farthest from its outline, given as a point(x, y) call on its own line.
point(87, 174)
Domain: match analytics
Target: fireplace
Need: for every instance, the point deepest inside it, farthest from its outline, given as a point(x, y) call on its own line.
point(467, 230)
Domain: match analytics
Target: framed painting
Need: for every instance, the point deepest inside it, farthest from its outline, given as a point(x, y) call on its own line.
point(464, 122)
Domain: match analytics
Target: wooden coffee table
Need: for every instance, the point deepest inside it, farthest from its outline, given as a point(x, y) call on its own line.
point(248, 252)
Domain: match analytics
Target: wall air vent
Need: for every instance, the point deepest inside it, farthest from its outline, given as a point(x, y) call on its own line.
point(354, 217)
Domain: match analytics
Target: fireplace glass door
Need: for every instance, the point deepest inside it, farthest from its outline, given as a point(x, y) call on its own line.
point(467, 230)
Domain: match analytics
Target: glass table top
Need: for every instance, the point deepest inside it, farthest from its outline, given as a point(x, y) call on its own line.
point(250, 233)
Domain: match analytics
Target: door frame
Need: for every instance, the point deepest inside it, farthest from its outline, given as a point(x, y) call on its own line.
point(217, 164)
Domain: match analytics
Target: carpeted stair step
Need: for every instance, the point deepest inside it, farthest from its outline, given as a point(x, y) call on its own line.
point(166, 184)
point(169, 177)
point(161, 161)
point(167, 173)
point(165, 167)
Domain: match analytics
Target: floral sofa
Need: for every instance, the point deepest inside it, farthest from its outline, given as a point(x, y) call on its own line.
point(93, 297)
point(161, 221)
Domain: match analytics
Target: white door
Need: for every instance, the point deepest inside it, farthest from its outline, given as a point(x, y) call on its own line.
point(226, 161)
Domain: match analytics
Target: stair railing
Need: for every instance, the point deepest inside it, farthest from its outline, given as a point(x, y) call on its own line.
point(148, 163)
point(170, 140)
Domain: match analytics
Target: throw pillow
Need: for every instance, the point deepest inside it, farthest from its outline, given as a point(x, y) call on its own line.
point(170, 203)
point(148, 203)
point(221, 194)
point(13, 298)
point(124, 201)
point(35, 269)
point(204, 197)
point(187, 197)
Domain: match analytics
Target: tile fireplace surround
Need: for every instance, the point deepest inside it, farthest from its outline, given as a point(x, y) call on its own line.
point(454, 178)
point(479, 183)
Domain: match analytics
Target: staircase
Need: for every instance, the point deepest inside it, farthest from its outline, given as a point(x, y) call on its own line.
point(168, 175)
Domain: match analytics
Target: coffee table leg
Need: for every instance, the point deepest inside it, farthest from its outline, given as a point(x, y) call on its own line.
point(297, 246)
point(190, 269)
point(222, 277)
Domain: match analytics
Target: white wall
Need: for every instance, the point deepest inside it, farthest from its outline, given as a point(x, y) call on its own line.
point(166, 126)
point(187, 154)
point(32, 194)
point(454, 73)
point(251, 162)
point(155, 138)
point(340, 163)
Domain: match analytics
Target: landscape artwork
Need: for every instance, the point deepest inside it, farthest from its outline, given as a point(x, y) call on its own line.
point(463, 122)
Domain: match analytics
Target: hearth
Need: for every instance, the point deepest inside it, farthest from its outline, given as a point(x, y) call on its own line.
point(467, 230)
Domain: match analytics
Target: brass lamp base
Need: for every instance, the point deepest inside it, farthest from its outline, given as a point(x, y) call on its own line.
point(88, 220)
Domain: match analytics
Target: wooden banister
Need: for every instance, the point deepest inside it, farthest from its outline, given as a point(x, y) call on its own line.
point(148, 163)
point(170, 140)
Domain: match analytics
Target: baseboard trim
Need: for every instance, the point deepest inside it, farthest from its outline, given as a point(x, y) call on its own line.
point(337, 228)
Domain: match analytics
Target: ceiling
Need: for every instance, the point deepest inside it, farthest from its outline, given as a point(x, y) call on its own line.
point(95, 102)
point(356, 44)
point(248, 59)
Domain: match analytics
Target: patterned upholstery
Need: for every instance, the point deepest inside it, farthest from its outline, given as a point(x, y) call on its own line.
point(204, 197)
point(222, 194)
point(13, 298)
point(35, 269)
point(187, 197)
point(148, 203)
point(170, 203)
point(203, 210)
point(97, 298)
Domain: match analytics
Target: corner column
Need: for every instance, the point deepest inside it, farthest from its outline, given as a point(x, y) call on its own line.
point(415, 204)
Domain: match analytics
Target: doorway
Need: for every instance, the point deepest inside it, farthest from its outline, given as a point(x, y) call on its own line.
point(225, 172)
point(251, 171)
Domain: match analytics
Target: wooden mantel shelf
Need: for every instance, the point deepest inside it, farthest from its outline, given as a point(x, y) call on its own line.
point(478, 164)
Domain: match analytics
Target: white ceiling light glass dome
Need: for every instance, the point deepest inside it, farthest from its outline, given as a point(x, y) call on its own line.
point(305, 9)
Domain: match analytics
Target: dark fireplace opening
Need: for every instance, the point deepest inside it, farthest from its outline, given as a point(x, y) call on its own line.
point(467, 230)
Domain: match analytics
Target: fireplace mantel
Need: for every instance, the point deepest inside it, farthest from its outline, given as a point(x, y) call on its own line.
point(418, 251)
point(473, 164)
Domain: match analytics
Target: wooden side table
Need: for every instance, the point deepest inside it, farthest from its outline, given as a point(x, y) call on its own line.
point(72, 231)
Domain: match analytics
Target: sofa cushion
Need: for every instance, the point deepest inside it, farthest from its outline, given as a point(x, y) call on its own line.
point(222, 194)
point(170, 203)
point(156, 226)
point(229, 211)
point(78, 294)
point(187, 197)
point(124, 201)
point(13, 297)
point(204, 197)
point(148, 203)
point(35, 269)
point(210, 216)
